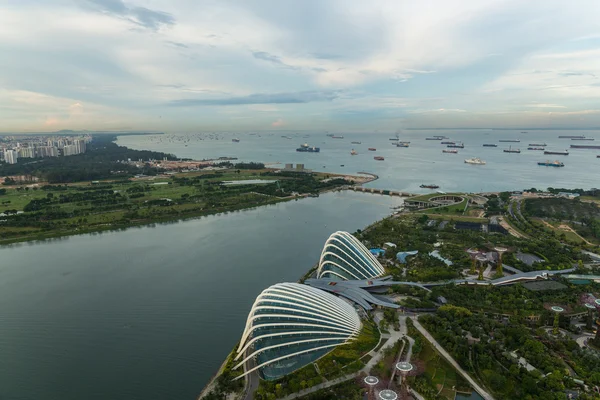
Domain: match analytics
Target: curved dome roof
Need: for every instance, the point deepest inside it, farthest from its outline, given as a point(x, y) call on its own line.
point(291, 325)
point(345, 257)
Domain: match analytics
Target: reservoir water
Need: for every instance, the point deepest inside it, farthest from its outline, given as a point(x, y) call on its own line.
point(405, 168)
point(150, 313)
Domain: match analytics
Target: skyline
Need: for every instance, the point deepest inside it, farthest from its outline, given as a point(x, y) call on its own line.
point(182, 65)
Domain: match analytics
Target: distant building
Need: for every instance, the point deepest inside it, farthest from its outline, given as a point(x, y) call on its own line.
point(11, 156)
point(568, 195)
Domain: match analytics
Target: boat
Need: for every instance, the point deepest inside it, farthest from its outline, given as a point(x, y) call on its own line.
point(372, 149)
point(403, 144)
point(447, 142)
point(456, 145)
point(571, 137)
point(560, 153)
point(434, 138)
point(551, 163)
point(490, 145)
point(330, 134)
point(305, 148)
point(341, 165)
point(355, 142)
point(581, 146)
point(451, 151)
point(378, 158)
point(353, 152)
point(429, 186)
point(538, 144)
point(536, 148)
point(511, 150)
point(235, 140)
point(585, 138)
point(509, 140)
point(523, 131)
point(475, 161)
point(337, 137)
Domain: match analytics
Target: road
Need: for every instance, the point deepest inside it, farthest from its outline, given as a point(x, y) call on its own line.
point(451, 360)
point(252, 380)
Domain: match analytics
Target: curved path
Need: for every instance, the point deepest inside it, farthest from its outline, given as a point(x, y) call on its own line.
point(451, 360)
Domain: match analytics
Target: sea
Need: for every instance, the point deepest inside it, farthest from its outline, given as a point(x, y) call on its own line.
point(151, 312)
point(407, 168)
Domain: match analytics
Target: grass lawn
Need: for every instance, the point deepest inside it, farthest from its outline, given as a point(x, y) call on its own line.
point(459, 218)
point(553, 226)
point(456, 209)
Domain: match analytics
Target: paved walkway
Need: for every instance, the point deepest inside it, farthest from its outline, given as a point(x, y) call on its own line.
point(320, 386)
point(451, 360)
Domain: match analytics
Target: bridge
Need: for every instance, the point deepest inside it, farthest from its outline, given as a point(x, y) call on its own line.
point(385, 192)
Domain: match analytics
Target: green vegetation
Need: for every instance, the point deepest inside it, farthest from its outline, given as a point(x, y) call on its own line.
point(54, 210)
point(226, 382)
point(436, 374)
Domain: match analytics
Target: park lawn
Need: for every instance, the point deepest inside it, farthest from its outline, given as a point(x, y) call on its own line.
point(553, 226)
point(458, 218)
point(456, 209)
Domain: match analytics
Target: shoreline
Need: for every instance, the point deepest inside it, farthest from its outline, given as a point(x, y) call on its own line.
point(51, 235)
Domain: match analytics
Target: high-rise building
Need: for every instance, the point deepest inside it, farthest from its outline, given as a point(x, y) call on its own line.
point(11, 156)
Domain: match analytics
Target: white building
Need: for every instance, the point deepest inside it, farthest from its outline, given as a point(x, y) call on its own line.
point(11, 156)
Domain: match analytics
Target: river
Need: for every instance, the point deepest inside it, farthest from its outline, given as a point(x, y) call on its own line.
point(151, 312)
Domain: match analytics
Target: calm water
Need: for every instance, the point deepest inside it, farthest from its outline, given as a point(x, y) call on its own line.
point(407, 168)
point(150, 313)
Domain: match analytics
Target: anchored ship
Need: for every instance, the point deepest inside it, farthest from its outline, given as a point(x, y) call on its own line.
point(551, 163)
point(511, 150)
point(451, 151)
point(476, 161)
point(560, 153)
point(538, 144)
point(509, 140)
point(353, 152)
point(490, 145)
point(372, 149)
point(536, 148)
point(378, 158)
point(456, 145)
point(235, 140)
point(429, 186)
point(447, 142)
point(355, 142)
point(402, 144)
point(581, 146)
point(583, 138)
point(571, 137)
point(305, 148)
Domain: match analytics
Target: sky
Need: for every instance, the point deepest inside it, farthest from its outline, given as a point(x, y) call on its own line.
point(198, 65)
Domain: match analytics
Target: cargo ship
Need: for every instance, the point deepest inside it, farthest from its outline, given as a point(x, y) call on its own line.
point(451, 151)
point(353, 152)
point(509, 140)
point(456, 146)
point(538, 144)
point(583, 138)
point(235, 140)
point(571, 137)
point(560, 153)
point(372, 149)
point(435, 138)
point(490, 145)
point(337, 137)
point(378, 158)
point(475, 161)
point(511, 150)
point(582, 146)
point(355, 142)
point(429, 186)
point(536, 148)
point(551, 163)
point(305, 148)
point(446, 142)
point(403, 144)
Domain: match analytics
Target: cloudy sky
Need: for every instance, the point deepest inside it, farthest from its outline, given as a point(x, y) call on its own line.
point(188, 65)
